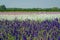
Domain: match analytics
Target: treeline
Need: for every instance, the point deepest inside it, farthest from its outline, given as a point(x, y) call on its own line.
point(3, 8)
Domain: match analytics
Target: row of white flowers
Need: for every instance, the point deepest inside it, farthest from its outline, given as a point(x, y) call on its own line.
point(32, 17)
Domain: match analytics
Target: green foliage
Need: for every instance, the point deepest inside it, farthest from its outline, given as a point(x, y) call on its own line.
point(2, 8)
point(10, 37)
point(53, 9)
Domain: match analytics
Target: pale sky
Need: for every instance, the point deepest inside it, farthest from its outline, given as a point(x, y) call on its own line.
point(30, 3)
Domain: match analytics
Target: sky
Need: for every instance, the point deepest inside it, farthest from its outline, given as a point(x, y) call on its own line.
point(30, 3)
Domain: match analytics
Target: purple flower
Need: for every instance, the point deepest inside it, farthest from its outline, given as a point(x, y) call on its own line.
point(0, 26)
point(56, 19)
point(28, 33)
point(1, 38)
point(55, 34)
point(59, 38)
point(48, 38)
point(24, 37)
point(35, 34)
point(44, 33)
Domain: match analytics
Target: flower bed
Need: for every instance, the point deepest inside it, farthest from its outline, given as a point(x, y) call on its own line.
point(30, 29)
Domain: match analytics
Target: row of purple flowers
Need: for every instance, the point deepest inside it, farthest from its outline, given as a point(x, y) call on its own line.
point(30, 29)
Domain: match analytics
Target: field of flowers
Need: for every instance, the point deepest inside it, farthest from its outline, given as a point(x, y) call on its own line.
point(30, 27)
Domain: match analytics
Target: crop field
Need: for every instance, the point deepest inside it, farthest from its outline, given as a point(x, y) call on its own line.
point(29, 15)
point(29, 25)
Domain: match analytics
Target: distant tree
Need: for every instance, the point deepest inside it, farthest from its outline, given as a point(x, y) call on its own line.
point(54, 8)
point(2, 7)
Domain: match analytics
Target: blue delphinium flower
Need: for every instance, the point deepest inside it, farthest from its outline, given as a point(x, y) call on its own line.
point(44, 33)
point(17, 38)
point(28, 33)
point(52, 38)
point(0, 26)
point(59, 38)
point(56, 19)
point(24, 37)
point(31, 38)
point(35, 34)
point(49, 38)
point(55, 34)
point(1, 38)
point(31, 28)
